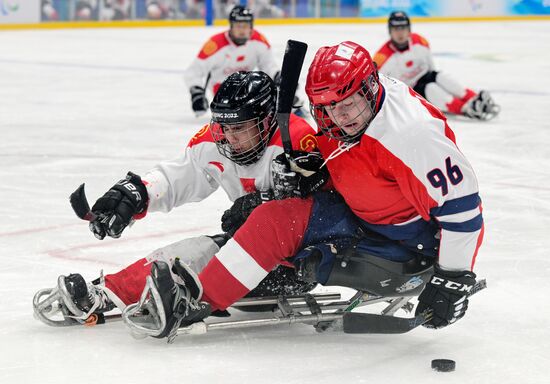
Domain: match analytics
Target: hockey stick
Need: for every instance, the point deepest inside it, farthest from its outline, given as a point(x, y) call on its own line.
point(290, 73)
point(80, 205)
point(354, 322)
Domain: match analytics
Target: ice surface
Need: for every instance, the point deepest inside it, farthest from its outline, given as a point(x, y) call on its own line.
point(89, 105)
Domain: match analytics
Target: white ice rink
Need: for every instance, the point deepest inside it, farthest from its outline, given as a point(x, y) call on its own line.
point(89, 105)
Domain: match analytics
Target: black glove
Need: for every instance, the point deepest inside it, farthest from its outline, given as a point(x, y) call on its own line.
point(447, 295)
point(235, 216)
point(300, 176)
point(116, 208)
point(198, 100)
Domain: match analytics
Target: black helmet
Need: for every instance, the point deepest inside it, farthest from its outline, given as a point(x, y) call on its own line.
point(240, 14)
point(244, 101)
point(398, 19)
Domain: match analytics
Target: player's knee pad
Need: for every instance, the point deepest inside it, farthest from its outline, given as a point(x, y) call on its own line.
point(195, 252)
point(421, 84)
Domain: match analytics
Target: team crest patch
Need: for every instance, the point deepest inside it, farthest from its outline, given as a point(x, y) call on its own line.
point(308, 143)
point(209, 48)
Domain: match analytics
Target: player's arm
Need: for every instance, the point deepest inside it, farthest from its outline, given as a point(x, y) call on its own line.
point(439, 181)
point(179, 181)
point(197, 75)
point(168, 185)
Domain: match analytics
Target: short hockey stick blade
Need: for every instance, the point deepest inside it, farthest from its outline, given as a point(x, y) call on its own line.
point(354, 322)
point(290, 73)
point(80, 205)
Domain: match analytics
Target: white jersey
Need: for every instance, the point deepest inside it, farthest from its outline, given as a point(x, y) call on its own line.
point(220, 57)
point(201, 170)
point(411, 172)
point(408, 65)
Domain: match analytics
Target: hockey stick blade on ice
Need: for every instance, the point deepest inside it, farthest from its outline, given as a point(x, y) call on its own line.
point(80, 205)
point(354, 322)
point(290, 73)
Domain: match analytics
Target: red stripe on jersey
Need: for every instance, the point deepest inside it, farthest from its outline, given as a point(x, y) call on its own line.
point(417, 39)
point(479, 241)
point(220, 288)
point(383, 54)
point(213, 45)
point(249, 185)
point(202, 136)
point(130, 282)
point(273, 232)
point(257, 36)
point(435, 113)
point(217, 164)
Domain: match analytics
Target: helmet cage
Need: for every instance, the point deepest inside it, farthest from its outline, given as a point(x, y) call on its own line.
point(328, 116)
point(249, 148)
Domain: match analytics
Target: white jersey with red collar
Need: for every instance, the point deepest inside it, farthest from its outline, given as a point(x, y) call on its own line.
point(220, 57)
point(407, 170)
point(201, 170)
point(408, 65)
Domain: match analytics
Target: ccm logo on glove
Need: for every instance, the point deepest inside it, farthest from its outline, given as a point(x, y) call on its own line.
point(451, 284)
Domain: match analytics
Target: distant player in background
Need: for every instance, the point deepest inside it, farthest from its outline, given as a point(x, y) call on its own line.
point(407, 57)
point(241, 48)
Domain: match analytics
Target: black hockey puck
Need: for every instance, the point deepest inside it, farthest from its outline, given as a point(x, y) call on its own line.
point(443, 365)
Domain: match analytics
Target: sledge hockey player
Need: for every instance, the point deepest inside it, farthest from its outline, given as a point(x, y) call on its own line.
point(241, 48)
point(234, 152)
point(403, 189)
point(407, 57)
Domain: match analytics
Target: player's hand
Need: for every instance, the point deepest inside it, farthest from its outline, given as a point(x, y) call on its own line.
point(299, 174)
point(198, 100)
point(117, 207)
point(235, 216)
point(447, 295)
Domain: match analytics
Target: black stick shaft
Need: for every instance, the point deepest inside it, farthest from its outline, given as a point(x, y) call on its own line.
point(290, 73)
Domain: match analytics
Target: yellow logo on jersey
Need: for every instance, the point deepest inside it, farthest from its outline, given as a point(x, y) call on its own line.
point(209, 48)
point(200, 133)
point(379, 58)
point(308, 142)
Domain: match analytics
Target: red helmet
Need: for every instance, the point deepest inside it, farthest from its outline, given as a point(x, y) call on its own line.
point(338, 73)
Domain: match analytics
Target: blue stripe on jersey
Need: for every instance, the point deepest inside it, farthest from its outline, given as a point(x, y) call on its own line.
point(398, 232)
point(459, 205)
point(471, 225)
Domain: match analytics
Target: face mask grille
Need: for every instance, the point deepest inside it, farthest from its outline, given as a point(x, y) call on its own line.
point(244, 142)
point(348, 119)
